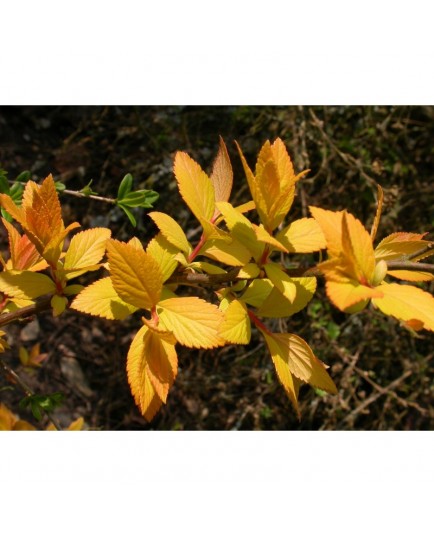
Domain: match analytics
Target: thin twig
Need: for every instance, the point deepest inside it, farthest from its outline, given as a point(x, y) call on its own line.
point(42, 305)
point(411, 266)
point(90, 196)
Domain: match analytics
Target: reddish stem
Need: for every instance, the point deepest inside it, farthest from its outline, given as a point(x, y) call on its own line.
point(196, 250)
point(257, 322)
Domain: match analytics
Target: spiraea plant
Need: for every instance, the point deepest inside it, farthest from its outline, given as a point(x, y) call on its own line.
point(244, 259)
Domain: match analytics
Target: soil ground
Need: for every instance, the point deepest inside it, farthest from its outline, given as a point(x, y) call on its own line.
point(383, 372)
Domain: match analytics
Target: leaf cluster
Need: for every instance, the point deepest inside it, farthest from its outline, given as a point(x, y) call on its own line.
point(243, 264)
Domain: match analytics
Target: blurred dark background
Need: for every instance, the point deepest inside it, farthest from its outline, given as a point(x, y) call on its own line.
point(383, 371)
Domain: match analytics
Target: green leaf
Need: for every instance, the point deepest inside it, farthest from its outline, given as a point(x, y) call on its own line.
point(125, 186)
point(6, 215)
point(140, 198)
point(4, 184)
point(16, 192)
point(129, 214)
point(59, 186)
point(24, 176)
point(87, 190)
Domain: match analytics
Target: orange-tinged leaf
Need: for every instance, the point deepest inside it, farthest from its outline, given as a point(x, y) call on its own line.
point(195, 186)
point(87, 248)
point(100, 299)
point(194, 322)
point(406, 303)
point(44, 217)
point(171, 230)
point(276, 306)
point(135, 275)
point(255, 190)
point(17, 213)
point(164, 254)
point(302, 236)
point(222, 175)
point(142, 389)
point(24, 255)
point(161, 362)
point(284, 165)
point(232, 254)
point(135, 242)
point(399, 246)
point(331, 226)
point(357, 247)
point(409, 275)
point(346, 294)
point(301, 361)
point(235, 327)
point(25, 284)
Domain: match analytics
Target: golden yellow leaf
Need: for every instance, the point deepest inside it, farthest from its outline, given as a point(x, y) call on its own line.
point(409, 275)
point(293, 352)
point(232, 254)
point(282, 369)
point(246, 207)
point(195, 186)
point(164, 254)
point(145, 396)
point(241, 229)
point(281, 281)
point(406, 303)
point(25, 284)
point(276, 306)
point(222, 175)
point(398, 246)
point(7, 418)
point(171, 230)
point(101, 299)
point(235, 327)
point(249, 271)
point(264, 236)
point(347, 294)
point(87, 248)
point(257, 292)
point(284, 166)
point(302, 236)
point(135, 275)
point(206, 267)
point(194, 322)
